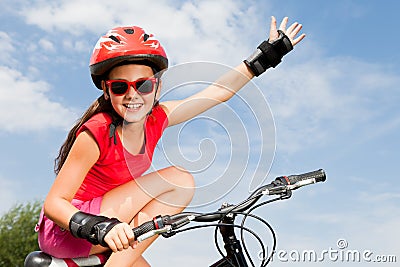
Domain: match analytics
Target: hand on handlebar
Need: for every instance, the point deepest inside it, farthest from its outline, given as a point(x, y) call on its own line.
point(98, 229)
point(120, 237)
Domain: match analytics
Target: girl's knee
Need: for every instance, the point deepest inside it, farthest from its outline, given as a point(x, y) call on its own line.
point(178, 176)
point(183, 182)
point(186, 179)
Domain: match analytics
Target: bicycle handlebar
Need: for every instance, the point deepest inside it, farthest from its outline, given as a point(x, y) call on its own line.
point(280, 186)
point(293, 182)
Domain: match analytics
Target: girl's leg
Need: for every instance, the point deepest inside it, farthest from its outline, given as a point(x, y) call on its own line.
point(167, 191)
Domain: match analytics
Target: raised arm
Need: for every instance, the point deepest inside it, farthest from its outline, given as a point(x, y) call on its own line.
point(268, 54)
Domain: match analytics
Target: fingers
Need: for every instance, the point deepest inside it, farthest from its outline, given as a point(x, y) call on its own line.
point(273, 32)
point(294, 28)
point(292, 31)
point(298, 39)
point(284, 22)
point(120, 237)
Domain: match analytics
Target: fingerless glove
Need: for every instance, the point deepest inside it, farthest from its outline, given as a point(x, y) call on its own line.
point(269, 54)
point(93, 228)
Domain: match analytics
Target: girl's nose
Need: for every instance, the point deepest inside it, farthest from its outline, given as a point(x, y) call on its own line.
point(132, 93)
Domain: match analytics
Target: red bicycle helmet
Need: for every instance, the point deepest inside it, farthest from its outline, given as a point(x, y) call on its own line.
point(122, 44)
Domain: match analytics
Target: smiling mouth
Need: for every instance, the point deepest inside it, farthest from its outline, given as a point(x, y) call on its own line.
point(133, 106)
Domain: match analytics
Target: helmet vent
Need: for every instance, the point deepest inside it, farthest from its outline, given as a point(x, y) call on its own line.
point(129, 31)
point(145, 37)
point(114, 38)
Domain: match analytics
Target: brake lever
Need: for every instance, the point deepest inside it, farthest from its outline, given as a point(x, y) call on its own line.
point(286, 195)
point(151, 233)
point(175, 224)
point(166, 225)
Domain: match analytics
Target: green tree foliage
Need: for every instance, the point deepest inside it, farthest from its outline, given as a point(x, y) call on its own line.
point(17, 235)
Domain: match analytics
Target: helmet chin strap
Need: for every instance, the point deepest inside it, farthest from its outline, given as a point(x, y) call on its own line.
point(155, 101)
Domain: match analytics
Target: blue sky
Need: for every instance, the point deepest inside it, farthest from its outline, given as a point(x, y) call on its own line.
point(332, 104)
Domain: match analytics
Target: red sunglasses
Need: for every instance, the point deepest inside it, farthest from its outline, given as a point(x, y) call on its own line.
point(143, 86)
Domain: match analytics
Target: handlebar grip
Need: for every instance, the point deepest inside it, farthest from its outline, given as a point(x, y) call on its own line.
point(143, 228)
point(318, 175)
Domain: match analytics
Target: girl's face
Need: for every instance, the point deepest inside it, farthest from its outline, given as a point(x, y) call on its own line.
point(132, 106)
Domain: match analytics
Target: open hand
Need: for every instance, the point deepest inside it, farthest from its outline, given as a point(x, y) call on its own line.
point(290, 32)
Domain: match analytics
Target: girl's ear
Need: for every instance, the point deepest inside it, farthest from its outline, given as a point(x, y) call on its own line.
point(105, 90)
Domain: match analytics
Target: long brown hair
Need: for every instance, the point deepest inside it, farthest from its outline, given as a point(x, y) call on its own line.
point(99, 105)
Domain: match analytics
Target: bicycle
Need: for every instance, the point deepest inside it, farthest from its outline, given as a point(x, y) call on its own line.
point(236, 254)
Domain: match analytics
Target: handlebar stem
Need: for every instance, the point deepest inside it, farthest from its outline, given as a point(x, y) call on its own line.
point(233, 248)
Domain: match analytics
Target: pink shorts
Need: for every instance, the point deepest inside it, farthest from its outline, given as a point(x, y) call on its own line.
point(59, 242)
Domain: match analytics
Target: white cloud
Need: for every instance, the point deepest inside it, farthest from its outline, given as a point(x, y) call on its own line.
point(26, 107)
point(217, 30)
point(77, 45)
point(6, 48)
point(46, 45)
point(73, 16)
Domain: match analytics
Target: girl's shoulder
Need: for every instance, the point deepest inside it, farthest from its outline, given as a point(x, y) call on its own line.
point(99, 127)
point(158, 115)
point(101, 118)
point(98, 124)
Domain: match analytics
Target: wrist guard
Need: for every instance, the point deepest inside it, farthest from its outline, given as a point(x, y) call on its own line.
point(269, 54)
point(91, 227)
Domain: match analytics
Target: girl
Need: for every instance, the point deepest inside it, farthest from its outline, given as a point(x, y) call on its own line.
point(100, 192)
